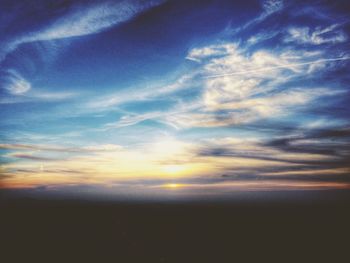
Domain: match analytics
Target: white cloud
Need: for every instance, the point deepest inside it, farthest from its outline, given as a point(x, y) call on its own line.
point(83, 20)
point(246, 88)
point(272, 6)
point(92, 19)
point(103, 148)
point(50, 95)
point(21, 90)
point(142, 94)
point(237, 88)
point(220, 113)
point(128, 120)
point(296, 66)
point(241, 88)
point(197, 54)
point(260, 37)
point(60, 148)
point(14, 83)
point(321, 35)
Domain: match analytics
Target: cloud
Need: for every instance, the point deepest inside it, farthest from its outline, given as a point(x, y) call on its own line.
point(241, 89)
point(92, 19)
point(184, 81)
point(298, 155)
point(50, 95)
point(197, 54)
point(80, 20)
point(166, 117)
point(265, 106)
point(318, 36)
point(269, 8)
point(83, 20)
point(222, 188)
point(56, 148)
point(35, 95)
point(332, 141)
point(260, 37)
point(48, 170)
point(14, 83)
point(272, 6)
point(32, 157)
point(262, 62)
point(229, 160)
point(252, 148)
point(107, 163)
point(237, 87)
point(128, 120)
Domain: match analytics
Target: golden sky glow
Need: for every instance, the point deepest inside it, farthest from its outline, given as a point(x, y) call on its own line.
point(165, 160)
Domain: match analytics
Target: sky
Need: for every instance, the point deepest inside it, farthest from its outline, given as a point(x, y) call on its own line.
point(183, 98)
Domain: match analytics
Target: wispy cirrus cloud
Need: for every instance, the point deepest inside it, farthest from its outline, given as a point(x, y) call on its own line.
point(75, 21)
point(36, 96)
point(239, 88)
point(111, 101)
point(272, 6)
point(56, 148)
point(321, 35)
point(91, 19)
point(269, 7)
point(83, 20)
point(198, 54)
point(14, 83)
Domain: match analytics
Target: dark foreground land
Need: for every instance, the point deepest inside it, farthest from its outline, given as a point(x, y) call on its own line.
point(57, 230)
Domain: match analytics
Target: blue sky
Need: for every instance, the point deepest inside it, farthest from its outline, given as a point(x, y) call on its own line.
point(175, 96)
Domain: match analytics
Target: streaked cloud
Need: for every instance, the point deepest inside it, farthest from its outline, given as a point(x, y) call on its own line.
point(321, 35)
point(31, 157)
point(197, 54)
point(91, 19)
point(57, 148)
point(239, 88)
point(272, 6)
point(83, 20)
point(112, 100)
point(269, 7)
point(14, 83)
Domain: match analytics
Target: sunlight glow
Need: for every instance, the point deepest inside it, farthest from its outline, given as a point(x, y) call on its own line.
point(173, 186)
point(174, 169)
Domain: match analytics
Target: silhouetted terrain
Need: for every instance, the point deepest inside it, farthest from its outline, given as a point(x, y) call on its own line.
point(49, 230)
